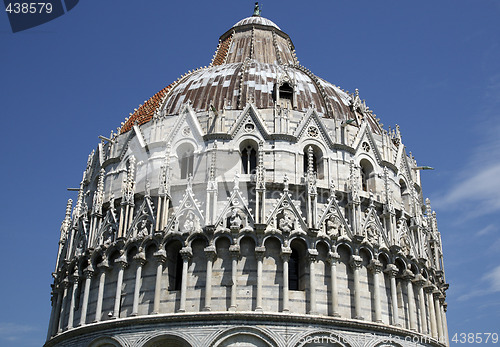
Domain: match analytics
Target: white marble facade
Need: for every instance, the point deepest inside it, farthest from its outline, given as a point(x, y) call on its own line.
point(250, 225)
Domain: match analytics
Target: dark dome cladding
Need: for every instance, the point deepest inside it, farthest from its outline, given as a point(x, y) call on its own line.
point(250, 59)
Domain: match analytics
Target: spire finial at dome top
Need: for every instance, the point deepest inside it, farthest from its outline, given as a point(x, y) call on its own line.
point(256, 10)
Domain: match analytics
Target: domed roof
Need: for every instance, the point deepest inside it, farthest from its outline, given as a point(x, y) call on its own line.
point(252, 60)
point(256, 20)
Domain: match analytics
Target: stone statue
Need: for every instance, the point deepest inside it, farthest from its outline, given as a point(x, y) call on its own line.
point(333, 226)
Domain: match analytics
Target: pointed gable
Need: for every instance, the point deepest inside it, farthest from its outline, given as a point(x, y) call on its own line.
point(249, 115)
point(365, 135)
point(235, 213)
point(312, 126)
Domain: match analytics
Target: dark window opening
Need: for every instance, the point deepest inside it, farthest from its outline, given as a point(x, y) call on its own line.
point(293, 270)
point(178, 272)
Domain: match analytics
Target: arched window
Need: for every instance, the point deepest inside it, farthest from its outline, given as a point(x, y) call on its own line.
point(286, 96)
point(405, 195)
point(317, 161)
point(178, 272)
point(174, 265)
point(293, 270)
point(367, 176)
point(297, 266)
point(248, 152)
point(185, 153)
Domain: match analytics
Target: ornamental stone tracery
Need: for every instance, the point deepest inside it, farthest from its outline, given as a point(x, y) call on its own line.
point(182, 236)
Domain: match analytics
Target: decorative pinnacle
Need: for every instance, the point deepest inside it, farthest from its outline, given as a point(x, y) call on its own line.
point(257, 11)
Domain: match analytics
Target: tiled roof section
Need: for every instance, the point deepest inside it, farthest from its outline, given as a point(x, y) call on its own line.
point(221, 54)
point(145, 112)
point(256, 20)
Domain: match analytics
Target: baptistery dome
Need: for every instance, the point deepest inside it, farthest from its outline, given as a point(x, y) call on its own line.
point(250, 203)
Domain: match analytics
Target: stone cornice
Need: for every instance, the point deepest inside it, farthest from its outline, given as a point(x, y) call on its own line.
point(244, 317)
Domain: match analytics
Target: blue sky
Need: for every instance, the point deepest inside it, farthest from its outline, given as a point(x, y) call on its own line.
point(433, 67)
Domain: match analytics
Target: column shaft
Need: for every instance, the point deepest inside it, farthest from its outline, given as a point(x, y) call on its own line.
point(392, 271)
point(186, 253)
point(85, 303)
point(259, 252)
point(376, 268)
point(334, 258)
point(439, 321)
point(137, 286)
point(100, 295)
point(234, 250)
point(161, 257)
point(356, 265)
point(411, 305)
point(432, 312)
point(210, 253)
point(72, 304)
point(63, 306)
point(119, 282)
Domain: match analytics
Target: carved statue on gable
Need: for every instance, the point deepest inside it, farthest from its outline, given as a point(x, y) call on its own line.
point(334, 226)
point(235, 220)
point(107, 236)
point(191, 223)
point(405, 244)
point(371, 234)
point(143, 227)
point(286, 221)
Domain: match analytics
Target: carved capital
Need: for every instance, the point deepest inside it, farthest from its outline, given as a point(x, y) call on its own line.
point(103, 265)
point(186, 253)
point(140, 258)
point(356, 261)
point(429, 288)
point(88, 272)
point(160, 256)
point(391, 270)
point(312, 254)
point(375, 266)
point(234, 250)
point(121, 262)
point(419, 281)
point(333, 258)
point(436, 294)
point(259, 252)
point(211, 252)
point(286, 252)
point(408, 275)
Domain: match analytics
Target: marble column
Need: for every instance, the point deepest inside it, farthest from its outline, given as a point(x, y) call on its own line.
point(356, 262)
point(62, 313)
point(419, 282)
point(408, 277)
point(186, 254)
point(234, 250)
point(161, 257)
point(439, 322)
point(122, 263)
point(286, 252)
point(376, 268)
point(211, 255)
point(75, 281)
point(104, 267)
point(392, 271)
point(311, 258)
point(259, 254)
point(445, 323)
point(56, 307)
point(140, 260)
point(334, 259)
point(88, 273)
point(429, 288)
